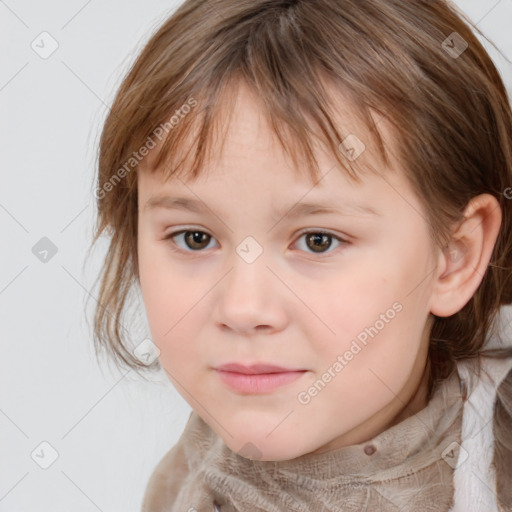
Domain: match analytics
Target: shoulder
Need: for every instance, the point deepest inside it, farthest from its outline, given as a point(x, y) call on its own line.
point(487, 381)
point(176, 465)
point(165, 480)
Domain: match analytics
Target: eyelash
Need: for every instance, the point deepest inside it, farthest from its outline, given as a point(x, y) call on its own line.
point(174, 234)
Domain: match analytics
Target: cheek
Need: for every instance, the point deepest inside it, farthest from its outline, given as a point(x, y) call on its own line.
point(355, 298)
point(378, 306)
point(171, 322)
point(170, 300)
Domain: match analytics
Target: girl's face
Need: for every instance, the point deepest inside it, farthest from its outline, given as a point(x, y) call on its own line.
point(236, 273)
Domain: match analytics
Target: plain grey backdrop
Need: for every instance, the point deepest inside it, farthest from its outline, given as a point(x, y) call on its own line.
point(74, 435)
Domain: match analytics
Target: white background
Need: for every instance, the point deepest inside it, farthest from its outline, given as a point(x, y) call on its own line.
point(109, 429)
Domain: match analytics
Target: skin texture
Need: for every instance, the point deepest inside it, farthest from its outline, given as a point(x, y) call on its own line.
point(295, 307)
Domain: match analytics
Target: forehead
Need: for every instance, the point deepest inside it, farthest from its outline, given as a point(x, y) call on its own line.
point(247, 150)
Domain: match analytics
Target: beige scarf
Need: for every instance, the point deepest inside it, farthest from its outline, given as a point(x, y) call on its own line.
point(407, 467)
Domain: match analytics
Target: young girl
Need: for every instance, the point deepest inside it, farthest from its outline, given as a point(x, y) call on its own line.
point(315, 201)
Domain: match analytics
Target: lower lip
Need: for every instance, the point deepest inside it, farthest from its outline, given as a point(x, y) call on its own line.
point(258, 383)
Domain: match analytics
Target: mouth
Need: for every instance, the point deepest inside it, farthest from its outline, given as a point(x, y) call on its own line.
point(255, 369)
point(257, 378)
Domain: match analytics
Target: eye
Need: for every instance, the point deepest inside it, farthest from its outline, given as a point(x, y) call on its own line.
point(196, 240)
point(320, 241)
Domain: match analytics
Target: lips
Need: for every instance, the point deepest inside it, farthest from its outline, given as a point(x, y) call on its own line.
point(255, 369)
point(257, 378)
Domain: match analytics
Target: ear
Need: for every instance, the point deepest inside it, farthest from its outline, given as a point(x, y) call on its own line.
point(463, 262)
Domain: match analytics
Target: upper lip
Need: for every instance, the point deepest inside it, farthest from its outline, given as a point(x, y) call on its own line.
point(254, 369)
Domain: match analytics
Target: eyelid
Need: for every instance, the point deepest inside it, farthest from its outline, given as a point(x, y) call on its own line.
point(325, 232)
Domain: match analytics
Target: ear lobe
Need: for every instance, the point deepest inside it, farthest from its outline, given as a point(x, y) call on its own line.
point(464, 261)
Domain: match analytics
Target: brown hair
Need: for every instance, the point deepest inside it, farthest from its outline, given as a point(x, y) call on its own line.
point(449, 110)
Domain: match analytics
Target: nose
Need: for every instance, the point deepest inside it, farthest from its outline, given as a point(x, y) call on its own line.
point(250, 298)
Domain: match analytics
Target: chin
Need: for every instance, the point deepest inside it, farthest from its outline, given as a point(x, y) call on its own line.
point(259, 447)
point(256, 435)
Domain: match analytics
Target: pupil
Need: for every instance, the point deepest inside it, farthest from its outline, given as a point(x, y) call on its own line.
point(196, 236)
point(319, 238)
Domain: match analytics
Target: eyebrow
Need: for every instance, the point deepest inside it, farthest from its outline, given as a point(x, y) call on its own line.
point(296, 210)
